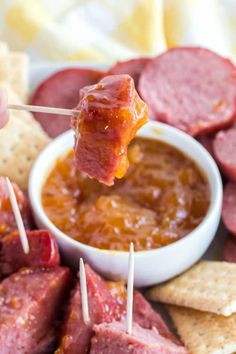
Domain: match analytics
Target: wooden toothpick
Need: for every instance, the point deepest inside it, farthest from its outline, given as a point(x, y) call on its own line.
point(17, 214)
point(84, 293)
point(130, 290)
point(43, 109)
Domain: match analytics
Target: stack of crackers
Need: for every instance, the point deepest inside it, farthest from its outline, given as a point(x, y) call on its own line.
point(202, 305)
point(23, 138)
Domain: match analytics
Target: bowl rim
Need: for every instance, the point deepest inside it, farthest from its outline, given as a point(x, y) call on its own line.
point(216, 195)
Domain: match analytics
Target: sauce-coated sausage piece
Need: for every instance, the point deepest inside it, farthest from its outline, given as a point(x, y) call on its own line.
point(110, 113)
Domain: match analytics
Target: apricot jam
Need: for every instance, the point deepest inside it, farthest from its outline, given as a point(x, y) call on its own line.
point(162, 198)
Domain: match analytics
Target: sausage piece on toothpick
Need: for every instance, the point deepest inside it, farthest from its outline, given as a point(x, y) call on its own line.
point(105, 121)
point(7, 218)
point(25, 248)
point(113, 338)
point(130, 338)
point(110, 113)
point(43, 253)
point(101, 307)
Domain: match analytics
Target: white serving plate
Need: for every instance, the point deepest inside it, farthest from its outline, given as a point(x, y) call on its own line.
point(153, 266)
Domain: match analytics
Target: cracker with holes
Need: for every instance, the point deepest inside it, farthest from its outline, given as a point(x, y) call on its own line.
point(204, 332)
point(208, 286)
point(20, 143)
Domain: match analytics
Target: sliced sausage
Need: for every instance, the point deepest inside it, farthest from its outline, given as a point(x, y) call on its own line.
point(224, 146)
point(30, 302)
point(207, 142)
point(44, 252)
point(132, 67)
point(229, 252)
point(61, 90)
point(191, 88)
point(229, 207)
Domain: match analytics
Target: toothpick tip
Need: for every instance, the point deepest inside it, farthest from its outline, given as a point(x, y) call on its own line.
point(18, 218)
point(131, 247)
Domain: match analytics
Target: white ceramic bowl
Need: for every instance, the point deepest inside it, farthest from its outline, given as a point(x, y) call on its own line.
point(151, 267)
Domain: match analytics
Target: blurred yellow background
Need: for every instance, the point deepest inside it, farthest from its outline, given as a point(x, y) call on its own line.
point(109, 30)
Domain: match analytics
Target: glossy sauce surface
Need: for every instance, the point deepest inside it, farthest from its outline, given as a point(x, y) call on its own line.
point(162, 197)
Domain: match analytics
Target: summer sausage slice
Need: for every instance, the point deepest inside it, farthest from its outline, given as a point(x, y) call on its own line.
point(30, 302)
point(229, 252)
point(7, 218)
point(207, 142)
point(131, 67)
point(112, 338)
point(229, 207)
point(192, 89)
point(110, 113)
point(224, 146)
point(76, 335)
point(43, 253)
point(61, 90)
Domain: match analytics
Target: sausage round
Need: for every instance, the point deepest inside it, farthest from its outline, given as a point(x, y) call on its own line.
point(191, 88)
point(229, 207)
point(132, 67)
point(229, 251)
point(224, 147)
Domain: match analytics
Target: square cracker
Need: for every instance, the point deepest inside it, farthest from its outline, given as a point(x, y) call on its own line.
point(208, 286)
point(21, 140)
point(204, 332)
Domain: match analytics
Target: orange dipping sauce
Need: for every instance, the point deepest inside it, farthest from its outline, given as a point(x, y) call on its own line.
point(161, 199)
